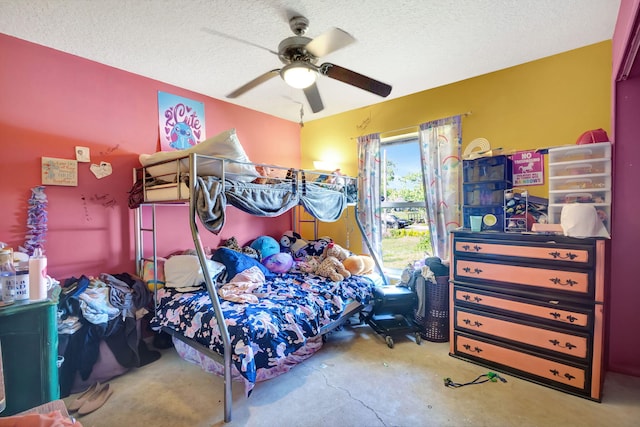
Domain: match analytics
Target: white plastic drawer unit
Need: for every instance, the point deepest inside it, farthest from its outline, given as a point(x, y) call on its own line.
point(580, 174)
point(580, 196)
point(572, 153)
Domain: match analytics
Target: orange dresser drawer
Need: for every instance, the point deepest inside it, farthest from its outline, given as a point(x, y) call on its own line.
point(503, 328)
point(574, 282)
point(530, 305)
point(546, 253)
point(529, 309)
point(573, 378)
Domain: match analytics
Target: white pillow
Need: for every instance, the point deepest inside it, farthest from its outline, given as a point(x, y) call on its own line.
point(225, 145)
point(184, 271)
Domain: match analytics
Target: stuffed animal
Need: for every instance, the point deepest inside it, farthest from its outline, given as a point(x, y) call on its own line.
point(266, 246)
point(308, 265)
point(288, 239)
point(232, 243)
point(358, 265)
point(336, 179)
point(333, 269)
point(311, 248)
point(279, 263)
point(334, 249)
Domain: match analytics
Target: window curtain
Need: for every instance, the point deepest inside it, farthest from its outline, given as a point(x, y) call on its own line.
point(369, 184)
point(440, 153)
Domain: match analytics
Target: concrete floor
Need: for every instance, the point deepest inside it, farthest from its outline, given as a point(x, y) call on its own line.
point(356, 380)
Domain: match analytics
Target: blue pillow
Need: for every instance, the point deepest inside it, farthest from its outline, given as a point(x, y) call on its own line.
point(236, 262)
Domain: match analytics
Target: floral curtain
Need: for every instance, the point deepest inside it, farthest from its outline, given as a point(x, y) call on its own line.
point(369, 191)
point(440, 152)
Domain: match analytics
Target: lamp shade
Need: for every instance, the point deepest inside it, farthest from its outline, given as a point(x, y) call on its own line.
point(299, 75)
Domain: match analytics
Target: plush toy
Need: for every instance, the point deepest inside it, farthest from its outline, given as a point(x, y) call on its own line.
point(308, 265)
point(279, 263)
point(333, 269)
point(311, 248)
point(266, 246)
point(232, 243)
point(334, 249)
point(336, 178)
point(288, 239)
point(358, 265)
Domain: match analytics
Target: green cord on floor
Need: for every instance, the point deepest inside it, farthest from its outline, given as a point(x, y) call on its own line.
point(491, 376)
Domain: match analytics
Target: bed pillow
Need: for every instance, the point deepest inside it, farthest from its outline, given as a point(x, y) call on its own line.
point(184, 271)
point(225, 145)
point(236, 262)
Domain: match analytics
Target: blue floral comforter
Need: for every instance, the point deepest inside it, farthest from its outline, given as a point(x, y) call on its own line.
point(291, 309)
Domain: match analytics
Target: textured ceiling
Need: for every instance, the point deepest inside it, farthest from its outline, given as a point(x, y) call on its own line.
point(413, 45)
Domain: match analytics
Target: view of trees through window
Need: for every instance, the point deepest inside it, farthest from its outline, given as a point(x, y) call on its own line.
point(405, 235)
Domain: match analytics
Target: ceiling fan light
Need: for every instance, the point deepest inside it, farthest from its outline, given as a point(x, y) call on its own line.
point(299, 75)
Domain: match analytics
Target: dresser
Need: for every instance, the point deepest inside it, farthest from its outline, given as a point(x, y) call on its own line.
point(29, 341)
point(530, 306)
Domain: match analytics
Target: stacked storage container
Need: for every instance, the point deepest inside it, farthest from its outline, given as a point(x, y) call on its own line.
point(580, 174)
point(485, 180)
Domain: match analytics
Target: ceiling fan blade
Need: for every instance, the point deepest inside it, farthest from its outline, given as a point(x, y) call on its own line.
point(230, 37)
point(253, 83)
point(328, 42)
point(355, 79)
point(313, 97)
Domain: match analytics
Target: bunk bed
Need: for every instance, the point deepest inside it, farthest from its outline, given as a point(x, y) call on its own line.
point(295, 311)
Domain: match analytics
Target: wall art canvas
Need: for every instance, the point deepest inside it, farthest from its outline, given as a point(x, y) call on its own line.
point(59, 172)
point(181, 122)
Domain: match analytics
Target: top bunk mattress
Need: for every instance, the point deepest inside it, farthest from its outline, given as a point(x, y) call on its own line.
point(221, 155)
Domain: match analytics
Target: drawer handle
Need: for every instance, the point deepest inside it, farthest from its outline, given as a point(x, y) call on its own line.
point(566, 345)
point(558, 281)
point(569, 317)
point(475, 323)
point(467, 297)
point(475, 349)
point(475, 248)
point(469, 270)
point(567, 255)
point(556, 373)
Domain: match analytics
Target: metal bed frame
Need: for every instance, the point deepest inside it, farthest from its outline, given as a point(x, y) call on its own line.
point(141, 229)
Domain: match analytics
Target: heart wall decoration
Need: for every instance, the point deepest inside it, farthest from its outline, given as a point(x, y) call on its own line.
point(102, 170)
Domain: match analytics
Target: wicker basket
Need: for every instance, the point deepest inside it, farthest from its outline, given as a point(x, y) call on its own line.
point(434, 325)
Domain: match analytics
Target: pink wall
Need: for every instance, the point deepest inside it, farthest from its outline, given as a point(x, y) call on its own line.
point(624, 291)
point(52, 101)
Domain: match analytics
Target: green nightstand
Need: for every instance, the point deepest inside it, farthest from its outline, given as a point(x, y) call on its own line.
point(29, 341)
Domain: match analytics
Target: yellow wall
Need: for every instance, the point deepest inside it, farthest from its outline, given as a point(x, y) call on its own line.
point(544, 103)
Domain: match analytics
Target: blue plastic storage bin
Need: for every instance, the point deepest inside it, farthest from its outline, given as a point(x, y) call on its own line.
point(496, 168)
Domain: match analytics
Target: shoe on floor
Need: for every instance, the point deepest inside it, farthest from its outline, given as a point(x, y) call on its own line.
point(96, 400)
point(79, 401)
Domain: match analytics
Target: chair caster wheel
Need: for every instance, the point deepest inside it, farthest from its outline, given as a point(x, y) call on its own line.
point(389, 341)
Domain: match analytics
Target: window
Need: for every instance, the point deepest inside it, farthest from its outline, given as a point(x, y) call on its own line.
point(405, 233)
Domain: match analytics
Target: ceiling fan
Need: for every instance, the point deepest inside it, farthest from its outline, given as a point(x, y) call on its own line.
point(299, 54)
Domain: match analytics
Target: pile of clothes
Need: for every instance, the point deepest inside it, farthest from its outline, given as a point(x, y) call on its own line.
point(92, 310)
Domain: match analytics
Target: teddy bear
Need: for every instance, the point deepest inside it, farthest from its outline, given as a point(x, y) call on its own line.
point(329, 267)
point(308, 265)
point(358, 265)
point(335, 250)
point(332, 268)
